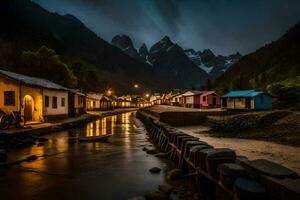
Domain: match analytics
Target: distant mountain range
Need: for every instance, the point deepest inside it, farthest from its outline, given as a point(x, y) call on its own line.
point(210, 66)
point(275, 62)
point(26, 26)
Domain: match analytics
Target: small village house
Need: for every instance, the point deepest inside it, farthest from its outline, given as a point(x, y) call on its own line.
point(191, 99)
point(155, 99)
point(35, 99)
point(177, 100)
point(92, 102)
point(98, 101)
point(77, 103)
point(247, 99)
point(209, 99)
point(105, 103)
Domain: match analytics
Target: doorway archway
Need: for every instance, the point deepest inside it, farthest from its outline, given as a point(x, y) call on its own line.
point(28, 106)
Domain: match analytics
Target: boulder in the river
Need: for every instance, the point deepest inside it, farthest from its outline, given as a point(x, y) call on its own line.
point(155, 170)
point(174, 174)
point(161, 155)
point(152, 151)
point(145, 149)
point(30, 158)
point(165, 187)
point(3, 155)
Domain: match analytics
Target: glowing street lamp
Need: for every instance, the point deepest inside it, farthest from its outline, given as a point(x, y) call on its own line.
point(109, 92)
point(147, 95)
point(136, 86)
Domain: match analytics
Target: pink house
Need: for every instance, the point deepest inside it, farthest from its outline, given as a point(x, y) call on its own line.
point(208, 99)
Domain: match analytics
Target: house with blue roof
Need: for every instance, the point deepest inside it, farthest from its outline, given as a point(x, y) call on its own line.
point(246, 99)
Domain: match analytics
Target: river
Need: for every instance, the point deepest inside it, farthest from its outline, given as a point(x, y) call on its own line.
point(67, 169)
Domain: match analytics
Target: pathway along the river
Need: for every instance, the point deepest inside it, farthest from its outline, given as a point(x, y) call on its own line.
point(67, 169)
point(285, 155)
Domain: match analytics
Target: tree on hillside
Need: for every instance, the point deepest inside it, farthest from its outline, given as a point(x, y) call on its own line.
point(45, 63)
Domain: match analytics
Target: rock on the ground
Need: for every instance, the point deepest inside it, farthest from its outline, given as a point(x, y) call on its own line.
point(174, 174)
point(165, 187)
point(161, 155)
point(3, 155)
point(155, 170)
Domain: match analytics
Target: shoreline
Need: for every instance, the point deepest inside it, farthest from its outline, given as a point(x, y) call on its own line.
point(43, 128)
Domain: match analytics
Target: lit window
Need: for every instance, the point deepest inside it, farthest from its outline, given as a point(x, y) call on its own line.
point(9, 98)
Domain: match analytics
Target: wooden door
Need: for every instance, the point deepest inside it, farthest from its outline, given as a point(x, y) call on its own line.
point(28, 109)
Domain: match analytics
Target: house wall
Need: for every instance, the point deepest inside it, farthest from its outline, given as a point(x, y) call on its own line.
point(60, 110)
point(262, 102)
point(92, 104)
point(239, 103)
point(20, 92)
point(189, 101)
point(209, 100)
point(8, 85)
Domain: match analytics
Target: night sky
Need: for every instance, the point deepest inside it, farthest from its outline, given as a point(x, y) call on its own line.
point(224, 26)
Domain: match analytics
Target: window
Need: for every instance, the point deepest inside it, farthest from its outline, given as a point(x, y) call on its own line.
point(63, 102)
point(9, 98)
point(204, 98)
point(54, 102)
point(46, 101)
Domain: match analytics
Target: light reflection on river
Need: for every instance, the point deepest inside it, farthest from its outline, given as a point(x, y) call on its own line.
point(67, 169)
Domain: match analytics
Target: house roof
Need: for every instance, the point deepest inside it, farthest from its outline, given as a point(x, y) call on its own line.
point(95, 96)
point(192, 93)
point(32, 80)
point(243, 93)
point(205, 93)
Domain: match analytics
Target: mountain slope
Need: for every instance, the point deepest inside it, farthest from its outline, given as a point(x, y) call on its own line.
point(210, 63)
point(28, 26)
point(169, 60)
point(274, 62)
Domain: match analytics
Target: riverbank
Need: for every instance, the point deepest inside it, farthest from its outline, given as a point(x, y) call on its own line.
point(221, 172)
point(27, 136)
point(280, 126)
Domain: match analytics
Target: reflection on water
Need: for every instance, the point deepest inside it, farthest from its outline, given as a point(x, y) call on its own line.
point(107, 125)
point(68, 169)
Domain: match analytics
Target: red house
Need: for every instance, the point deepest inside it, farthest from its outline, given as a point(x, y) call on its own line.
point(206, 99)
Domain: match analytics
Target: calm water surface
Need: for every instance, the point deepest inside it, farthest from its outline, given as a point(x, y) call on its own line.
point(67, 169)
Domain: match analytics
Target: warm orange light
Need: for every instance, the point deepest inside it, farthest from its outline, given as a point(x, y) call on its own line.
point(136, 86)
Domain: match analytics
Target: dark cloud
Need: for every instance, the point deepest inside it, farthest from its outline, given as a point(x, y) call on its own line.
point(225, 26)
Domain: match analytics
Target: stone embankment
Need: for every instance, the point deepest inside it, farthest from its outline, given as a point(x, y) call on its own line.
point(218, 172)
